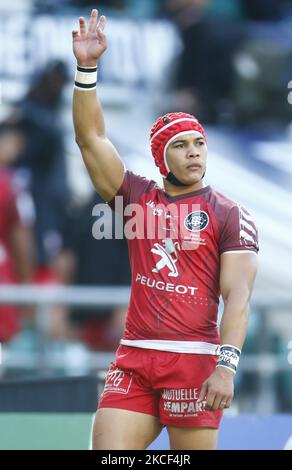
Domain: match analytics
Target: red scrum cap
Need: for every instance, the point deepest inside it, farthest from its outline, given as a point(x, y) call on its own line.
point(165, 130)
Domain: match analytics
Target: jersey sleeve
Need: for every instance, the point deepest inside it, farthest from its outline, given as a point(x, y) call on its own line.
point(239, 232)
point(132, 188)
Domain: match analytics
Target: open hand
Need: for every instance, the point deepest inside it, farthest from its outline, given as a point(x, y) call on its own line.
point(89, 45)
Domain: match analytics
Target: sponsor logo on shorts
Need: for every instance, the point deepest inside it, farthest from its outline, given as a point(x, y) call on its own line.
point(182, 403)
point(118, 381)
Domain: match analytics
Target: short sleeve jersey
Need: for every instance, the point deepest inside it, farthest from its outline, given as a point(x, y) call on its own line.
point(175, 245)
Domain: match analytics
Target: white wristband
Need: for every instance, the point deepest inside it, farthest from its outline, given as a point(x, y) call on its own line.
point(85, 78)
point(229, 357)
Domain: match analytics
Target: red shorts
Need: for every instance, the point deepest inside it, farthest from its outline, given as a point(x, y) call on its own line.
point(162, 384)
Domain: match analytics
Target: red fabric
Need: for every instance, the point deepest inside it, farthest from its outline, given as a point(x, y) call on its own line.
point(9, 315)
point(175, 297)
point(98, 335)
point(8, 220)
point(45, 275)
point(159, 142)
point(8, 208)
point(162, 384)
point(10, 323)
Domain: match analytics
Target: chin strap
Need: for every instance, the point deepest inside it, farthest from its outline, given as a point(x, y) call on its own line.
point(173, 180)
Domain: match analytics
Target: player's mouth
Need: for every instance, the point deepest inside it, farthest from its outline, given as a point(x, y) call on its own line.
point(194, 166)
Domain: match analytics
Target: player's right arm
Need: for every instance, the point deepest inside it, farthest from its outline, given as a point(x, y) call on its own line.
point(102, 160)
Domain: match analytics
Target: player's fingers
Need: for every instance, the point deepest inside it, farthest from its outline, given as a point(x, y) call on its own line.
point(101, 23)
point(203, 392)
point(219, 402)
point(75, 33)
point(228, 402)
point(93, 21)
point(82, 25)
point(210, 401)
point(101, 37)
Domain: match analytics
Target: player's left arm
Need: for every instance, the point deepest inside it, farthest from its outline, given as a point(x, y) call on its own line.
point(237, 275)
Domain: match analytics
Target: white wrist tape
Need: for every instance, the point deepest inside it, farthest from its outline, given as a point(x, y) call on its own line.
point(229, 357)
point(85, 78)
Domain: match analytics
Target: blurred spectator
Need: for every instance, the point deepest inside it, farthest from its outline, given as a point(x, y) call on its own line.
point(117, 4)
point(50, 6)
point(87, 261)
point(43, 156)
point(262, 69)
point(103, 4)
point(225, 8)
point(16, 243)
point(263, 10)
point(203, 80)
point(56, 6)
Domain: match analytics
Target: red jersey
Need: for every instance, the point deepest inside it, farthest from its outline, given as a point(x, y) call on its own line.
point(9, 219)
point(175, 262)
point(9, 315)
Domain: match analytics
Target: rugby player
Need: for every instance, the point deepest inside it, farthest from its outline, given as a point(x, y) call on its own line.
point(172, 368)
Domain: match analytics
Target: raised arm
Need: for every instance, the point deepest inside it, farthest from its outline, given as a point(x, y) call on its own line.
point(102, 161)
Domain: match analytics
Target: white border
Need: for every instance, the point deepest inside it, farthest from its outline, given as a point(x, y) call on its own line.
point(171, 123)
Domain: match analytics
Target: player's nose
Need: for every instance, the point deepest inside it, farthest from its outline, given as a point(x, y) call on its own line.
point(193, 151)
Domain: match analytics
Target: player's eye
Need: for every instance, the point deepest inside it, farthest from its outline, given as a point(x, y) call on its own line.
point(179, 146)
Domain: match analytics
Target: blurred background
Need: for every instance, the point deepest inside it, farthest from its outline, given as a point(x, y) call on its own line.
point(64, 294)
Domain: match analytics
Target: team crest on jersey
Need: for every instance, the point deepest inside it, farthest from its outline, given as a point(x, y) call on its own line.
point(196, 221)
